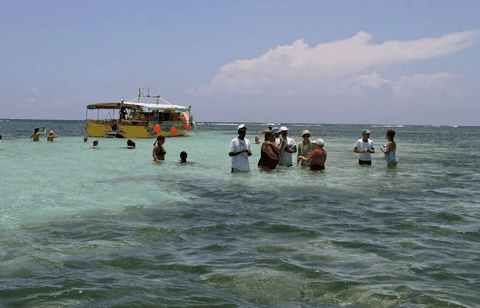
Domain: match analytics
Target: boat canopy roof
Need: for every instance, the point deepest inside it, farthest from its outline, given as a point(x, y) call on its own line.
point(133, 105)
point(111, 106)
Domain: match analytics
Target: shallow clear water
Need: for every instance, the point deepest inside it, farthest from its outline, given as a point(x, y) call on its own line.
point(107, 227)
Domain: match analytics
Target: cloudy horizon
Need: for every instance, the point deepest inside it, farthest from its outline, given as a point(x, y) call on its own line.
point(260, 62)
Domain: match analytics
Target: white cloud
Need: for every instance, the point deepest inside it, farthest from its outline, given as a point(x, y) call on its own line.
point(422, 85)
point(301, 69)
point(341, 82)
point(35, 92)
point(35, 98)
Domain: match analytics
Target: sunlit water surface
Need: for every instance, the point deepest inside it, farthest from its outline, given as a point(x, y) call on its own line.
point(107, 227)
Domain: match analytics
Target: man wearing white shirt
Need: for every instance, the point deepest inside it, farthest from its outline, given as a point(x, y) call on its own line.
point(240, 150)
point(365, 148)
point(289, 147)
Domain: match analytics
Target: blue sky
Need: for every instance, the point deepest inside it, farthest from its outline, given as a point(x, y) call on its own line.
point(348, 62)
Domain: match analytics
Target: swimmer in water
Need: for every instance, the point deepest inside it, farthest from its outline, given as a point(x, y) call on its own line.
point(183, 158)
point(130, 144)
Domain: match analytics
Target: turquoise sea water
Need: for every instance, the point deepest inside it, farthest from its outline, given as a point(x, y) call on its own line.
point(107, 227)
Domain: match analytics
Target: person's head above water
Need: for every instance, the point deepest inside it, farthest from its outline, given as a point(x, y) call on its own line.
point(160, 140)
point(183, 157)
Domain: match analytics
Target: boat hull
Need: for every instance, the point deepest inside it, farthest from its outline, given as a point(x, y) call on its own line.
point(134, 129)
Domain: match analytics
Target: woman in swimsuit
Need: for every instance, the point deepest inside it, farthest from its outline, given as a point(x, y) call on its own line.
point(37, 133)
point(304, 148)
point(158, 149)
point(270, 152)
point(390, 150)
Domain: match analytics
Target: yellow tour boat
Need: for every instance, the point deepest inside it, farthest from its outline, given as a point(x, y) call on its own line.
point(137, 119)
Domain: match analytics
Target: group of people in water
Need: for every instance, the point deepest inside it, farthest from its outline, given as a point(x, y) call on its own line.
point(36, 134)
point(159, 151)
point(278, 149)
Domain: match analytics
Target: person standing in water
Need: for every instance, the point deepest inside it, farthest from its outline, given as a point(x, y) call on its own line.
point(51, 136)
point(364, 147)
point(390, 150)
point(304, 148)
point(276, 134)
point(289, 147)
point(239, 151)
point(316, 159)
point(36, 134)
point(158, 149)
point(270, 153)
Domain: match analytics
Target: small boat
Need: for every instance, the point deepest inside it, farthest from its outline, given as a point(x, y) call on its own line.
point(137, 119)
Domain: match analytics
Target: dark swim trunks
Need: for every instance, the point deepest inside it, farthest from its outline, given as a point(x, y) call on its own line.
point(317, 167)
point(364, 162)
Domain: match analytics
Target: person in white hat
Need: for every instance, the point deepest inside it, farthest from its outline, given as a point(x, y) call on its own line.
point(289, 147)
point(304, 147)
point(239, 151)
point(51, 136)
point(317, 158)
point(364, 147)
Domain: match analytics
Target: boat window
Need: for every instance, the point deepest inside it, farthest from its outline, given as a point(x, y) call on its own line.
point(102, 114)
